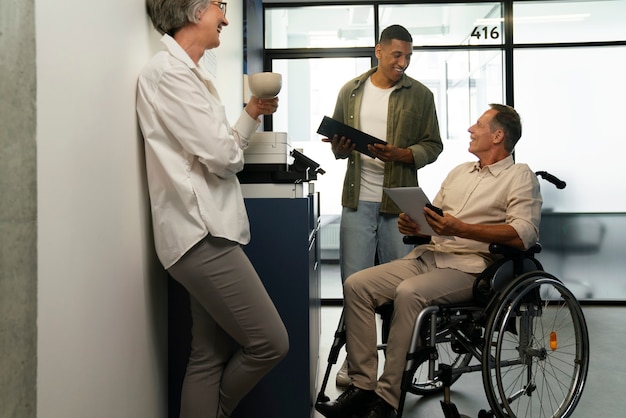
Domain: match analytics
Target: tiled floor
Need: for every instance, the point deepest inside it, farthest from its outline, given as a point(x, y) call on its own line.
point(603, 395)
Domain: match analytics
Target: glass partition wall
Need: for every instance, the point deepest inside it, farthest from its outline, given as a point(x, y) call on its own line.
point(560, 63)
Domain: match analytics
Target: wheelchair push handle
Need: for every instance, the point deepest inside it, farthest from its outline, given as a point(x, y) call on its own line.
point(560, 184)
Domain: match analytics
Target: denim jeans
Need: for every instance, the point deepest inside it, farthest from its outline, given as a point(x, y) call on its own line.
point(365, 233)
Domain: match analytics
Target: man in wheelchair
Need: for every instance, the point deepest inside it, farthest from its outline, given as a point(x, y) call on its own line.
point(493, 200)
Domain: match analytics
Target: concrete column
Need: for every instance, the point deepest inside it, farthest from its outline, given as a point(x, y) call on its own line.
point(18, 210)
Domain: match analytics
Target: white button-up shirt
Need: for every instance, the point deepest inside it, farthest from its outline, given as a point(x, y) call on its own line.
point(192, 155)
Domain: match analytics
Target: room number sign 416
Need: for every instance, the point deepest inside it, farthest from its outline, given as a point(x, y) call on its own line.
point(486, 32)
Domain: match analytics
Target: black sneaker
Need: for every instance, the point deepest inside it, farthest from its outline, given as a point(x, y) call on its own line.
point(379, 408)
point(350, 402)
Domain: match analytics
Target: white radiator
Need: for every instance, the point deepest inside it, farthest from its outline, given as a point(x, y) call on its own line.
point(329, 241)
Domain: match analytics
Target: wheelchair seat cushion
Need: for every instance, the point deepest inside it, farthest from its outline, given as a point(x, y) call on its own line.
point(499, 275)
point(482, 290)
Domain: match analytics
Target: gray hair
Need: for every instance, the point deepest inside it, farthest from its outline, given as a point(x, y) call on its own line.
point(168, 16)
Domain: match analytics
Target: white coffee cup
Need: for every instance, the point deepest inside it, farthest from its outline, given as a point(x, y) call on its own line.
point(265, 85)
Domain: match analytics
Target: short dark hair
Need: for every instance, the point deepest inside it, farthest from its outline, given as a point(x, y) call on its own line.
point(510, 122)
point(395, 32)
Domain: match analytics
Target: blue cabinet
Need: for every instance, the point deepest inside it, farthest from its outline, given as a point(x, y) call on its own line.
point(285, 251)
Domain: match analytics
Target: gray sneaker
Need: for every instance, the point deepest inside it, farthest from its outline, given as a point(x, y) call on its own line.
point(342, 379)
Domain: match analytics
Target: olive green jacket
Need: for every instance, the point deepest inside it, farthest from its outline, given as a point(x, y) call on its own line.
point(411, 123)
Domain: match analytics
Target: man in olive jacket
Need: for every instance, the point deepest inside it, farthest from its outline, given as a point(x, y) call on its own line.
point(386, 103)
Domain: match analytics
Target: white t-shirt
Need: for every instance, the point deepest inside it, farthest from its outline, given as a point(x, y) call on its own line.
point(373, 117)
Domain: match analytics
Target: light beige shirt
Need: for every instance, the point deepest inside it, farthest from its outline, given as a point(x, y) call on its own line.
point(501, 193)
point(193, 155)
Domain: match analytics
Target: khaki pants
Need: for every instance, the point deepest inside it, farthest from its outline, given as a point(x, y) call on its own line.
point(237, 334)
point(412, 284)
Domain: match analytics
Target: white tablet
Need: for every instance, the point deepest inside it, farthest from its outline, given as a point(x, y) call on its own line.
point(411, 201)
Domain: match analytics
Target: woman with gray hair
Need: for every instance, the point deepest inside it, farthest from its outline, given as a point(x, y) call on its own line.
point(199, 218)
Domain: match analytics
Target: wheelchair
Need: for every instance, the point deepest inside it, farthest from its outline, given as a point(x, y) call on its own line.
point(524, 331)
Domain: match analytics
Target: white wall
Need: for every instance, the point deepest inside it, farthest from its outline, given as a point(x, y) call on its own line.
point(102, 303)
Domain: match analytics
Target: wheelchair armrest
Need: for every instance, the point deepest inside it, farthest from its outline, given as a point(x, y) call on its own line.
point(507, 251)
point(416, 239)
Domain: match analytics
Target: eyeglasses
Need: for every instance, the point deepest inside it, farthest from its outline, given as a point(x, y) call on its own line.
point(221, 5)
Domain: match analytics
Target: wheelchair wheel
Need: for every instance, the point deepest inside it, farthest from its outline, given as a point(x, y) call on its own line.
point(536, 353)
point(422, 385)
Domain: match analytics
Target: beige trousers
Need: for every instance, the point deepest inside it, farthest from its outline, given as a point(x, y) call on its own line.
point(412, 284)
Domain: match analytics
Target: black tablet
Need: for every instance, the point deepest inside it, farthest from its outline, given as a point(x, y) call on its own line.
point(330, 127)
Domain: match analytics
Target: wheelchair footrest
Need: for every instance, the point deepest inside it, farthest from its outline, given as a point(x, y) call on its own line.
point(450, 410)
